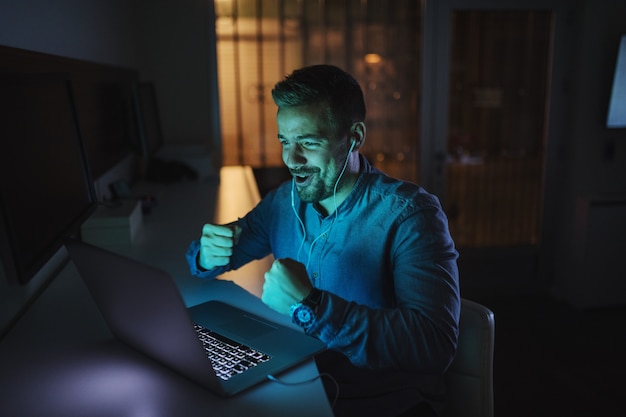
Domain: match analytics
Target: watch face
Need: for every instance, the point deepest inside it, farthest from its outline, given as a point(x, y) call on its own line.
point(302, 315)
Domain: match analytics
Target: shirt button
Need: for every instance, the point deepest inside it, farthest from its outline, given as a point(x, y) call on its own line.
point(315, 274)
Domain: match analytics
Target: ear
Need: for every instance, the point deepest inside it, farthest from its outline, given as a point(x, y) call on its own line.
point(357, 134)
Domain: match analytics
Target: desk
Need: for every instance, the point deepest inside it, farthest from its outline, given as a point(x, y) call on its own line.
point(61, 360)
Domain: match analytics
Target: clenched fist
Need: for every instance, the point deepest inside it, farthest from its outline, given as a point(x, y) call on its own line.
point(286, 283)
point(216, 244)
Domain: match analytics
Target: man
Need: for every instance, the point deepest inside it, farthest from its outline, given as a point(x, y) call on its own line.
point(364, 262)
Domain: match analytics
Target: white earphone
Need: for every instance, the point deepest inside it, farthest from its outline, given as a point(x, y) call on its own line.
point(302, 227)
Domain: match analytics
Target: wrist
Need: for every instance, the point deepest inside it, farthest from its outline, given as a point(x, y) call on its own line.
point(304, 312)
point(200, 267)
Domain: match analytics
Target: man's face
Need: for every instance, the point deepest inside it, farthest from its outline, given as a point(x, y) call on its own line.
point(312, 151)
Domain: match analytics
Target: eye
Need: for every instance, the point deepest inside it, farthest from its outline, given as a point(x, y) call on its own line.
point(310, 144)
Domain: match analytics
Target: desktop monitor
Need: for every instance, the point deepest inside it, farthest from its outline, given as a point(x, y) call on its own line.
point(617, 104)
point(46, 190)
point(105, 115)
point(147, 119)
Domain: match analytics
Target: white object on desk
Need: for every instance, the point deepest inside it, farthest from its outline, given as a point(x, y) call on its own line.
point(117, 224)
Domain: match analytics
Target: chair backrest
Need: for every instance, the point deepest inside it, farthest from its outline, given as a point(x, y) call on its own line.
point(470, 376)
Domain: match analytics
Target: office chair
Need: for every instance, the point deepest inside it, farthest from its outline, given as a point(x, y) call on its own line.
point(470, 376)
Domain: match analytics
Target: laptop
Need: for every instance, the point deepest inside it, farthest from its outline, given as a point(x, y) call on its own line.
point(143, 308)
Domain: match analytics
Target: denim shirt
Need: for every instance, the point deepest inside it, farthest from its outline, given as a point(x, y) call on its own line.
point(384, 260)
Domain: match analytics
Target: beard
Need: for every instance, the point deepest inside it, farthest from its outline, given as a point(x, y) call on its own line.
point(314, 184)
point(312, 187)
point(315, 192)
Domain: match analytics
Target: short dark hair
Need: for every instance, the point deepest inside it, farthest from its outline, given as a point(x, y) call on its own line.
point(323, 83)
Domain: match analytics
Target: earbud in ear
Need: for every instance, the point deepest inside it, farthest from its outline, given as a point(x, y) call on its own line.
point(355, 136)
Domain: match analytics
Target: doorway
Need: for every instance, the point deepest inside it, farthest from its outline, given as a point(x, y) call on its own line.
point(490, 109)
point(497, 126)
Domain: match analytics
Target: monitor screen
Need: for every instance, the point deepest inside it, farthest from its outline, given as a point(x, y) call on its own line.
point(617, 103)
point(46, 190)
point(106, 117)
point(148, 121)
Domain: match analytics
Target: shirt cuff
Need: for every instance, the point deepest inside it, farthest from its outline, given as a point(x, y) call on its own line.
point(192, 260)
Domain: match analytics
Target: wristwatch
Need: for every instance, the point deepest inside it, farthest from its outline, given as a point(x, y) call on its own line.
point(303, 313)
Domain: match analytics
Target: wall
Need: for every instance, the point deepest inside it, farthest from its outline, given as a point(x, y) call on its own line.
point(176, 50)
point(600, 162)
point(591, 201)
point(97, 30)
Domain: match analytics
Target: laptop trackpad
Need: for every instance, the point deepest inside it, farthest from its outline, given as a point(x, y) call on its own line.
point(247, 327)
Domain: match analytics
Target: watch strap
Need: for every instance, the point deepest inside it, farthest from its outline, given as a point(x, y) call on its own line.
point(314, 298)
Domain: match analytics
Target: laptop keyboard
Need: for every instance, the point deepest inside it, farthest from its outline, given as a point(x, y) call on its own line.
point(228, 357)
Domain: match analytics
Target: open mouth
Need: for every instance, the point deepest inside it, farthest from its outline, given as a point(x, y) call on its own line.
point(302, 178)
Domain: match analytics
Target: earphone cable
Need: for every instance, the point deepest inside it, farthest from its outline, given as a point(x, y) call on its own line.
point(308, 381)
point(343, 170)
